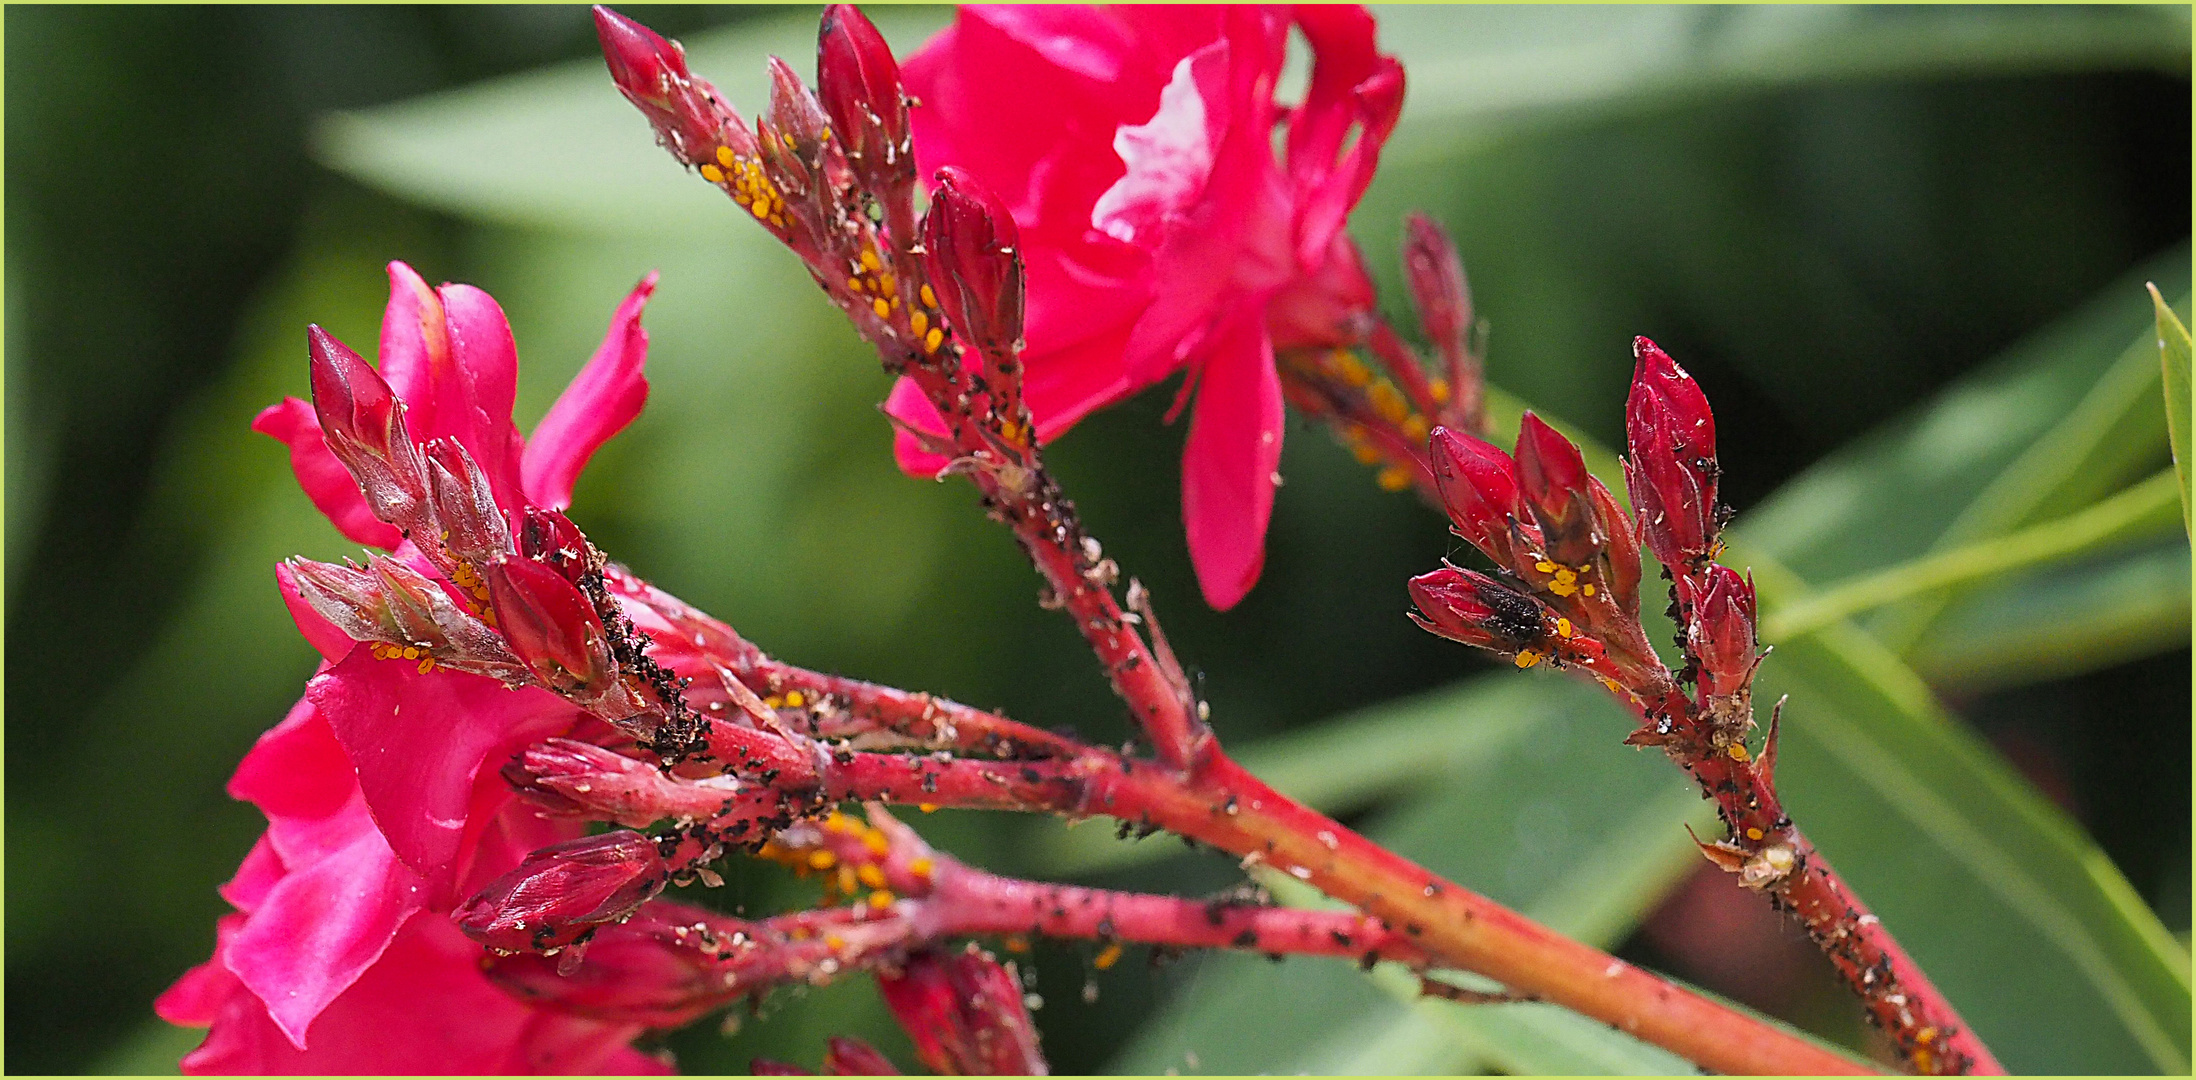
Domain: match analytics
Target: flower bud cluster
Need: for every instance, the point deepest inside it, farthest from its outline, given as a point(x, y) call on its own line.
point(1672, 472)
point(831, 173)
point(520, 616)
point(1567, 556)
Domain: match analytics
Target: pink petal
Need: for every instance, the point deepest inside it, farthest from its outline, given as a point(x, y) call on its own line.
point(325, 480)
point(1229, 464)
point(261, 870)
point(423, 1009)
point(1068, 384)
point(418, 741)
point(197, 998)
point(908, 405)
point(324, 636)
point(1168, 157)
point(604, 397)
point(296, 771)
point(415, 341)
point(321, 927)
point(487, 385)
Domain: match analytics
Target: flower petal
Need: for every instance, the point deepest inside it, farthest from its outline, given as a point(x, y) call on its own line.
point(423, 1009)
point(908, 405)
point(197, 998)
point(604, 397)
point(487, 385)
point(418, 741)
point(325, 480)
point(261, 870)
point(1228, 466)
point(321, 927)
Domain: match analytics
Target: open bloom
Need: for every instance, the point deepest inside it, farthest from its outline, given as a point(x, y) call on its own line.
point(1160, 229)
point(381, 816)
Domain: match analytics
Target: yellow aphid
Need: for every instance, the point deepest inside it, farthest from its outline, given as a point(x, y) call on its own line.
point(1544, 566)
point(713, 174)
point(881, 899)
point(1393, 478)
point(1415, 428)
point(1561, 587)
point(1439, 388)
point(1016, 945)
point(933, 339)
point(881, 306)
point(724, 156)
point(848, 881)
point(919, 323)
point(1738, 752)
point(1527, 658)
point(870, 876)
point(928, 808)
point(854, 284)
point(1563, 627)
point(834, 941)
point(886, 285)
point(876, 842)
point(1753, 834)
point(822, 860)
point(920, 868)
point(869, 260)
point(794, 699)
point(1587, 589)
point(1107, 957)
point(930, 299)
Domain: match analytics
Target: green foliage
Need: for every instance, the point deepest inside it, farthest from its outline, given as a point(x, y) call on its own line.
point(2173, 356)
point(1809, 200)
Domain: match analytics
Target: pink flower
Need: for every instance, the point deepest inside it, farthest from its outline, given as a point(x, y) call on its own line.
point(1160, 230)
point(381, 816)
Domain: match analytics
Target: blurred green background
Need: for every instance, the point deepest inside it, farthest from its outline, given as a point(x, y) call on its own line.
point(1902, 248)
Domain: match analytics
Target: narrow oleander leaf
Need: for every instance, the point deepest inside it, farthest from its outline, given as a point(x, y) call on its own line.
point(2063, 620)
point(2173, 357)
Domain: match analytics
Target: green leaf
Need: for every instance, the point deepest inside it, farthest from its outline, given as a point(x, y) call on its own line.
point(2173, 357)
point(560, 148)
point(1492, 70)
point(2139, 512)
point(2061, 621)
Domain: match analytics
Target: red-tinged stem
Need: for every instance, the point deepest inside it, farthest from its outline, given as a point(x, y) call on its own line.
point(967, 901)
point(1773, 857)
point(1227, 808)
point(933, 722)
point(1404, 368)
point(1023, 496)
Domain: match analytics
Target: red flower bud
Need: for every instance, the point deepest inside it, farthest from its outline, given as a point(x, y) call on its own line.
point(1435, 273)
point(655, 970)
point(1470, 607)
point(550, 538)
point(473, 527)
point(1479, 488)
point(580, 779)
point(689, 116)
point(562, 893)
point(853, 1057)
point(1552, 477)
point(774, 1067)
point(363, 423)
point(859, 82)
point(550, 624)
point(972, 254)
point(1721, 633)
point(1672, 469)
point(965, 1015)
